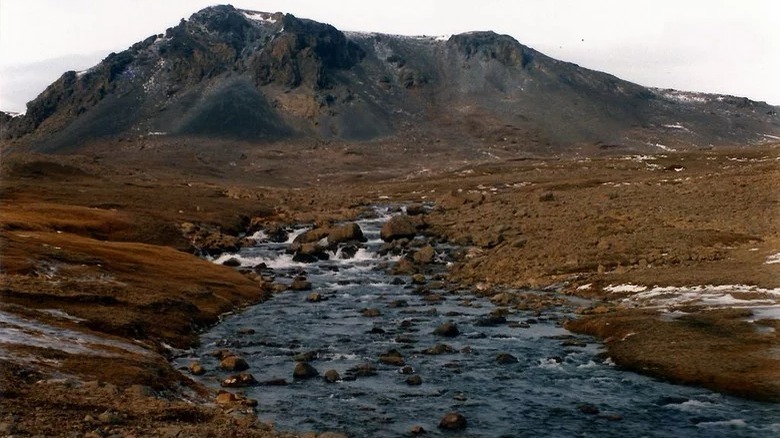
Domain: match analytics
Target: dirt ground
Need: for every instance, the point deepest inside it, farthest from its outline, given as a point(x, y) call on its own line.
point(96, 249)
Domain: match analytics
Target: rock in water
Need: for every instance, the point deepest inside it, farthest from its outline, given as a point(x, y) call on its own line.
point(233, 363)
point(453, 421)
point(332, 376)
point(414, 380)
point(300, 283)
point(505, 359)
point(424, 255)
point(345, 233)
point(196, 369)
point(448, 329)
point(392, 357)
point(239, 381)
point(398, 227)
point(304, 371)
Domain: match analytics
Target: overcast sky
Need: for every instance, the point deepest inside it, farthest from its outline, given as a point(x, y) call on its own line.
point(719, 46)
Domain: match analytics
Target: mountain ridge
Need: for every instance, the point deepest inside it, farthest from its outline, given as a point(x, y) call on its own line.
point(263, 77)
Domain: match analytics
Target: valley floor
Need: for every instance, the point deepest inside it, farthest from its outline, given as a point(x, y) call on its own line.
point(677, 253)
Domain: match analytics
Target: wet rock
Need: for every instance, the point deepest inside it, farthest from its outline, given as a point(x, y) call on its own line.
point(221, 353)
point(232, 262)
point(424, 255)
point(453, 421)
point(239, 381)
point(398, 227)
point(392, 357)
point(348, 252)
point(439, 349)
point(448, 329)
point(273, 382)
point(306, 356)
point(304, 370)
point(405, 339)
point(505, 359)
point(398, 281)
point(331, 376)
point(308, 252)
point(196, 369)
point(300, 283)
point(350, 232)
point(417, 430)
point(371, 312)
point(311, 236)
point(366, 369)
point(315, 297)
point(414, 380)
point(377, 331)
point(490, 321)
point(233, 363)
point(246, 331)
point(404, 267)
point(406, 370)
point(397, 303)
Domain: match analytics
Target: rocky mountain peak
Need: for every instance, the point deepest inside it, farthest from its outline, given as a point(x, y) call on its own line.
point(262, 77)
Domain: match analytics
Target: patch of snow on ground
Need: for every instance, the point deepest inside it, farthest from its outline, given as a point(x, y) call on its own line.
point(675, 126)
point(711, 296)
point(664, 147)
point(625, 288)
point(773, 259)
point(773, 137)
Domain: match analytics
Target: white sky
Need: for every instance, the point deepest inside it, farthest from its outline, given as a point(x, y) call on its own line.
point(720, 46)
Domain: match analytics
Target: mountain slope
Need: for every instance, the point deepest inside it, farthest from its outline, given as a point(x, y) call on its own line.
point(258, 77)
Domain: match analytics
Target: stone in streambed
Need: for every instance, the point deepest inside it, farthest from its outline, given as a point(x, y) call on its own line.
point(424, 255)
point(439, 349)
point(239, 381)
point(371, 312)
point(315, 297)
point(233, 363)
point(304, 371)
point(332, 376)
point(414, 380)
point(505, 359)
point(398, 227)
point(300, 283)
point(392, 357)
point(448, 329)
point(196, 369)
point(453, 421)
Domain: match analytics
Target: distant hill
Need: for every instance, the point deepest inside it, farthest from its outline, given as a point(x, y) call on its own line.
point(261, 78)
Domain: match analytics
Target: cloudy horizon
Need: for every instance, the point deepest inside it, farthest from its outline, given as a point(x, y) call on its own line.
point(723, 47)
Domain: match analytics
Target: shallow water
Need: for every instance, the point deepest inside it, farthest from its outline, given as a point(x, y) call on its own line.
point(543, 394)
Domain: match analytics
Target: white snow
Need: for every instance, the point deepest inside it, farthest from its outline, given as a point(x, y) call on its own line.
point(773, 259)
point(263, 17)
point(675, 126)
point(773, 137)
point(664, 147)
point(711, 296)
point(443, 37)
point(625, 288)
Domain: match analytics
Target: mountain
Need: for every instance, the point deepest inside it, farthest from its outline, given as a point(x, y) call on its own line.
point(257, 77)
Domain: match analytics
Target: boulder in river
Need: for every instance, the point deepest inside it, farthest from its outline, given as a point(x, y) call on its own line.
point(350, 232)
point(315, 297)
point(448, 329)
point(398, 227)
point(233, 363)
point(424, 255)
point(392, 357)
point(439, 349)
point(415, 209)
point(366, 369)
point(453, 421)
point(332, 376)
point(303, 370)
point(417, 430)
point(300, 283)
point(414, 380)
point(239, 381)
point(505, 359)
point(196, 369)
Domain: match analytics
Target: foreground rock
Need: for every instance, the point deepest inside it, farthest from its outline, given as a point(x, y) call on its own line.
point(453, 421)
point(398, 227)
point(303, 370)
